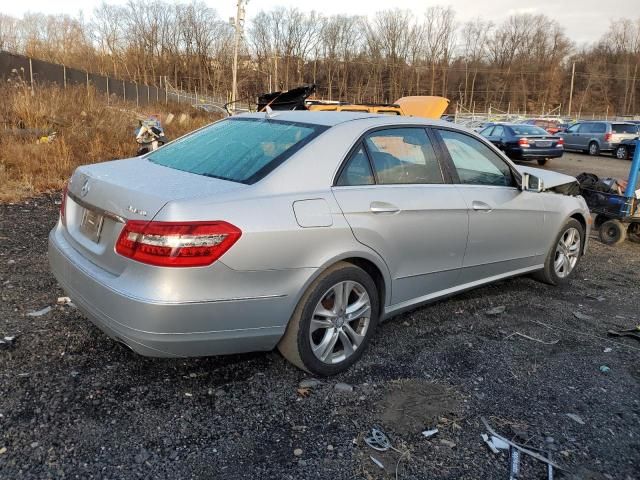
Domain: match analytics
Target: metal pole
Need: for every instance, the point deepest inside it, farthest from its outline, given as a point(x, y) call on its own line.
point(239, 20)
point(64, 76)
point(124, 91)
point(31, 75)
point(573, 75)
point(137, 96)
point(107, 90)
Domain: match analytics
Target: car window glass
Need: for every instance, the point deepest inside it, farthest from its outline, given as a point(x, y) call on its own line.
point(528, 130)
point(498, 131)
point(586, 128)
point(475, 162)
point(357, 170)
point(403, 155)
point(599, 128)
point(487, 131)
point(624, 128)
point(573, 128)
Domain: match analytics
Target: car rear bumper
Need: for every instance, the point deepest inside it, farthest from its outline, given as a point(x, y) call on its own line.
point(158, 328)
point(534, 153)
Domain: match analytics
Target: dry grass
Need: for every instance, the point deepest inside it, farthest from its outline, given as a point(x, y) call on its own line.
point(88, 131)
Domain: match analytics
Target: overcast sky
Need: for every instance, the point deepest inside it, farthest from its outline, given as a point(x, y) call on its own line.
point(584, 20)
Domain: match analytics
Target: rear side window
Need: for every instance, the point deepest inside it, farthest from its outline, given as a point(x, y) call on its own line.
point(624, 128)
point(475, 163)
point(528, 130)
point(487, 131)
point(239, 149)
point(403, 155)
point(357, 170)
point(498, 131)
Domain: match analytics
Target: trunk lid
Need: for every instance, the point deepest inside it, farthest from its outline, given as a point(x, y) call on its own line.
point(103, 196)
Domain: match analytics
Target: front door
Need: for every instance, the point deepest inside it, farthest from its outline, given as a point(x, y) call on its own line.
point(505, 223)
point(393, 194)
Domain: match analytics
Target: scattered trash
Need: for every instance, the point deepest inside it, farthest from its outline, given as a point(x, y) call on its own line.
point(3, 450)
point(377, 462)
point(514, 463)
point(11, 262)
point(485, 439)
point(187, 394)
point(515, 447)
point(553, 342)
point(74, 373)
point(65, 301)
point(343, 387)
point(496, 310)
point(39, 313)
point(330, 448)
point(499, 444)
point(575, 418)
point(582, 316)
point(7, 341)
point(448, 443)
point(430, 433)
point(310, 383)
point(297, 452)
point(303, 392)
point(630, 332)
point(604, 369)
point(377, 439)
point(34, 444)
point(607, 350)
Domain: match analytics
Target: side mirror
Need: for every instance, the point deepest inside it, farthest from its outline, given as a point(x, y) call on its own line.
point(531, 183)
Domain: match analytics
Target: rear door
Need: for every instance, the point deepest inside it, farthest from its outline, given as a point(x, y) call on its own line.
point(571, 136)
point(505, 223)
point(393, 192)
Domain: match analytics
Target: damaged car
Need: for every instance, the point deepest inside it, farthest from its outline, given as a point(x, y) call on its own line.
point(303, 231)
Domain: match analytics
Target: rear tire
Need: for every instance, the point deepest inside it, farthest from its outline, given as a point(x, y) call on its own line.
point(594, 149)
point(621, 153)
point(568, 243)
point(633, 232)
point(542, 161)
point(304, 345)
point(612, 232)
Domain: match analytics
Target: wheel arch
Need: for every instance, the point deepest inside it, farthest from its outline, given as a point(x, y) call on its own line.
point(585, 226)
point(370, 263)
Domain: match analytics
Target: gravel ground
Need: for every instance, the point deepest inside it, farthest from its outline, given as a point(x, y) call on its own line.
point(74, 404)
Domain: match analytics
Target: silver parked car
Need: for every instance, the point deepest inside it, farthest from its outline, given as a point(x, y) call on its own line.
point(596, 137)
point(303, 230)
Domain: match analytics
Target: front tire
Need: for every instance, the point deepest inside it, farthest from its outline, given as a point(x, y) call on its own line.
point(612, 232)
point(564, 255)
point(333, 322)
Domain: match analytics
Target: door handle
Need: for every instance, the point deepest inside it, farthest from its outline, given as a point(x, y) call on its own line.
point(383, 207)
point(480, 206)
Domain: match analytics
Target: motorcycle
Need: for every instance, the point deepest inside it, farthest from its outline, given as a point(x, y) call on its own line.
point(150, 136)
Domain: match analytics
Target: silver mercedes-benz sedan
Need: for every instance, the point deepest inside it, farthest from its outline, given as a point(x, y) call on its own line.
point(303, 230)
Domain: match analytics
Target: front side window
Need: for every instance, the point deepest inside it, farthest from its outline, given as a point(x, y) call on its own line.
point(237, 149)
point(573, 128)
point(475, 162)
point(403, 155)
point(357, 170)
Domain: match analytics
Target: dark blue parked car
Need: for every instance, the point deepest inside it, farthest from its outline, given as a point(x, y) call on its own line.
point(524, 142)
point(625, 149)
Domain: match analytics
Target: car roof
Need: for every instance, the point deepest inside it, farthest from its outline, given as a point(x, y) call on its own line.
point(331, 119)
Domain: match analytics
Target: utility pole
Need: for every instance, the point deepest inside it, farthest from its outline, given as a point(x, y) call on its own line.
point(238, 23)
point(573, 75)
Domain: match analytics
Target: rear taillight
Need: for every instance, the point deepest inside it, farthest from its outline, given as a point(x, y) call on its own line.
point(176, 244)
point(523, 142)
point(560, 142)
point(607, 136)
point(63, 203)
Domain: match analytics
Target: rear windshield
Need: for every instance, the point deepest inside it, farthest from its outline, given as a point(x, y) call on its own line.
point(238, 149)
point(528, 130)
point(624, 128)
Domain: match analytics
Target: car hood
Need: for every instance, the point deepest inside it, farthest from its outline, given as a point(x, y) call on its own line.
point(549, 178)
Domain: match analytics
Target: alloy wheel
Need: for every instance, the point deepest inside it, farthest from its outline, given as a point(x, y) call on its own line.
point(593, 149)
point(340, 322)
point(567, 252)
point(621, 153)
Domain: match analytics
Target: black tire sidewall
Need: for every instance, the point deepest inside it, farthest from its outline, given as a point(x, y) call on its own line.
point(313, 364)
point(609, 239)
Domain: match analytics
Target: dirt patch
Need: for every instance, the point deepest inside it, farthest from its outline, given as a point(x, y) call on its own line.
point(413, 405)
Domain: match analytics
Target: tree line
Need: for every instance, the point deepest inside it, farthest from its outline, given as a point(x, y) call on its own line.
point(522, 64)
